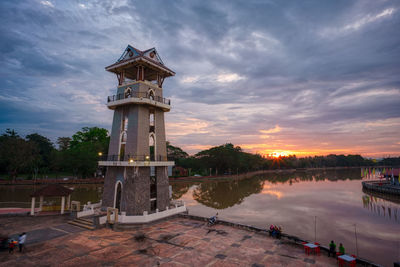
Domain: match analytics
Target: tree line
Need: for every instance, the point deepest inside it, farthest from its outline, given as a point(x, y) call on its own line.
point(229, 159)
point(36, 157)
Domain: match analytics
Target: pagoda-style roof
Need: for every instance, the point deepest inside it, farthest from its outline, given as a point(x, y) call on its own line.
point(52, 190)
point(132, 57)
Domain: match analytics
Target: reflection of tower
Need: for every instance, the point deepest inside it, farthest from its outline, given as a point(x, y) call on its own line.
point(137, 177)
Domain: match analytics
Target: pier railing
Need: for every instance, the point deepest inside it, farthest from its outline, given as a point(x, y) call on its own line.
point(138, 95)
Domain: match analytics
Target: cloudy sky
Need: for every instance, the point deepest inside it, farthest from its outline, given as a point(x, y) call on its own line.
point(299, 77)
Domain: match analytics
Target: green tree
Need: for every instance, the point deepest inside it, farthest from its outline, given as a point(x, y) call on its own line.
point(82, 159)
point(82, 154)
point(93, 135)
point(175, 153)
point(16, 154)
point(45, 149)
point(222, 159)
point(63, 143)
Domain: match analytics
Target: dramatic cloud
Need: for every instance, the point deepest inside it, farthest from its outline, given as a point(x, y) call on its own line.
point(271, 76)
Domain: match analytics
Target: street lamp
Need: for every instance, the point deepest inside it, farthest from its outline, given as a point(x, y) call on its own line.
point(100, 154)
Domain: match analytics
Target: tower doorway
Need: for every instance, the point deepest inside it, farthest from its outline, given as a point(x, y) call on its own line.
point(153, 192)
point(151, 95)
point(118, 193)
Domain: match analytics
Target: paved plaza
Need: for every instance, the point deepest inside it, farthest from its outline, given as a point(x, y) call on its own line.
point(175, 242)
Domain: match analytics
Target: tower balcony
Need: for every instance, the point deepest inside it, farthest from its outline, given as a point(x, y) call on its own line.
point(135, 161)
point(140, 99)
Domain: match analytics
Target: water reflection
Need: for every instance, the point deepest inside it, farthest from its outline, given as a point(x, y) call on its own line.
point(313, 175)
point(382, 205)
point(179, 189)
point(222, 194)
point(225, 194)
point(294, 199)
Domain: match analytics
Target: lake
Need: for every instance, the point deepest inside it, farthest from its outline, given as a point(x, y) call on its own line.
point(324, 205)
point(333, 199)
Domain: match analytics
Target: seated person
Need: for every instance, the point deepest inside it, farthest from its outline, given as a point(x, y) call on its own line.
point(278, 231)
point(213, 219)
point(341, 249)
point(271, 230)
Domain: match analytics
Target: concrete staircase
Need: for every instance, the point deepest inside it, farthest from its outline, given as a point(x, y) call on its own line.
point(86, 223)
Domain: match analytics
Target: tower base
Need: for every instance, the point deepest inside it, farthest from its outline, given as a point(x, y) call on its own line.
point(135, 191)
point(123, 219)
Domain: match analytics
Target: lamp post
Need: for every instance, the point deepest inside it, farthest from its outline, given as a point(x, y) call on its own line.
point(355, 233)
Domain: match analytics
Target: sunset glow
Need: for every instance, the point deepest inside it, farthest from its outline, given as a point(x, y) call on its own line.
point(279, 154)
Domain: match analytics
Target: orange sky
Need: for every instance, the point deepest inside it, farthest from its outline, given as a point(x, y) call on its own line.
point(278, 140)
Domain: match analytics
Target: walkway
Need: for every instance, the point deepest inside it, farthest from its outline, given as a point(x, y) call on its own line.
point(11, 211)
point(176, 242)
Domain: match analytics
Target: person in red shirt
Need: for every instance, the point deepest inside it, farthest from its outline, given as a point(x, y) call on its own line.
point(11, 246)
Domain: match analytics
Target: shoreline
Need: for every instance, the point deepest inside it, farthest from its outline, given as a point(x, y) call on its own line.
point(53, 181)
point(246, 175)
point(174, 179)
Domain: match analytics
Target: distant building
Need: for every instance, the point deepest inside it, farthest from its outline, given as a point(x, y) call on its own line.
point(137, 165)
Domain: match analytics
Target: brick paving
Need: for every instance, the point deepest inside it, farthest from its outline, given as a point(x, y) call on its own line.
point(10, 225)
point(175, 242)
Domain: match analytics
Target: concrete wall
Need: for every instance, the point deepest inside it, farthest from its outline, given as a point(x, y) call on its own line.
point(132, 134)
point(143, 130)
point(134, 87)
point(160, 133)
point(138, 131)
point(145, 87)
point(113, 148)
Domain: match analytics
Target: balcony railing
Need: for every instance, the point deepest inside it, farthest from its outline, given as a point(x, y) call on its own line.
point(139, 95)
point(133, 158)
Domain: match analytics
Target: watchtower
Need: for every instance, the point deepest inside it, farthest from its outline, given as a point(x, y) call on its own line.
point(137, 176)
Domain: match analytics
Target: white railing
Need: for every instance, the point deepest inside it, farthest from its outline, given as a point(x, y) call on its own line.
point(88, 209)
point(177, 203)
point(145, 218)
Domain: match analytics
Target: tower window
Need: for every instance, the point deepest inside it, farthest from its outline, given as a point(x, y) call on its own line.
point(122, 146)
point(152, 147)
point(123, 137)
point(128, 92)
point(124, 126)
point(151, 94)
point(153, 193)
point(151, 118)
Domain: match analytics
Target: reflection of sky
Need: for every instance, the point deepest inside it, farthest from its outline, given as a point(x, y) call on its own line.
point(337, 205)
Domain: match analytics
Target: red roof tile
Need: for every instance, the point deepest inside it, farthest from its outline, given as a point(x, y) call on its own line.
point(52, 190)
